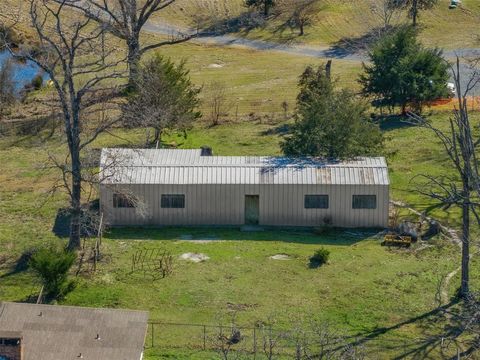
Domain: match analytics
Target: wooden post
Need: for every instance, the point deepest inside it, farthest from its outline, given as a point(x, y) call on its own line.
point(39, 299)
point(99, 236)
point(204, 337)
point(152, 335)
point(254, 342)
point(328, 69)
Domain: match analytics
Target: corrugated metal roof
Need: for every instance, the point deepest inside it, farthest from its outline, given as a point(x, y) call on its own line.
point(51, 332)
point(127, 166)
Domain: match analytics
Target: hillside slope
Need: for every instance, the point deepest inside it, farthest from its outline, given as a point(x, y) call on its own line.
point(334, 20)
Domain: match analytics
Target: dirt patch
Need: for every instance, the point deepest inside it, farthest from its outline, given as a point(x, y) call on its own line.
point(215, 66)
point(200, 240)
point(194, 257)
point(280, 257)
point(240, 307)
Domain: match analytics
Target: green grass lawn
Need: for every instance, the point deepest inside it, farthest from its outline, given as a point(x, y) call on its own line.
point(256, 82)
point(363, 288)
point(366, 290)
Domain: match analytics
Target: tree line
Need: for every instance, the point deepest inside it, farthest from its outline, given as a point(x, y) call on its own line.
point(301, 9)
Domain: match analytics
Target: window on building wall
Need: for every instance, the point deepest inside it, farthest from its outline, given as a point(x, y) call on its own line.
point(173, 201)
point(122, 201)
point(364, 202)
point(316, 201)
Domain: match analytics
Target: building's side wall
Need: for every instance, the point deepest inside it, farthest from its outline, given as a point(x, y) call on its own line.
point(280, 205)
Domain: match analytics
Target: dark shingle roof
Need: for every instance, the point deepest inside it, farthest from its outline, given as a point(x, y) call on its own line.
point(52, 332)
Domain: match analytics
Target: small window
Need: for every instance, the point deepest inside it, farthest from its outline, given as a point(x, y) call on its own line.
point(175, 201)
point(122, 201)
point(9, 342)
point(316, 201)
point(364, 202)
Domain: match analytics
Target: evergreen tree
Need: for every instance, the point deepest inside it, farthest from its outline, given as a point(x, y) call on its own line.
point(330, 123)
point(402, 72)
point(164, 98)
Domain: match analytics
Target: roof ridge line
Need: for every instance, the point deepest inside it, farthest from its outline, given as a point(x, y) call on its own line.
point(380, 166)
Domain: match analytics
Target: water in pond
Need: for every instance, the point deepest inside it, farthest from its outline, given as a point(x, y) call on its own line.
point(23, 71)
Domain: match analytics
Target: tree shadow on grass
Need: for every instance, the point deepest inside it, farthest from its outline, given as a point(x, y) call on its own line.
point(338, 237)
point(393, 122)
point(242, 23)
point(89, 221)
point(433, 340)
point(358, 45)
point(248, 21)
point(21, 264)
point(277, 130)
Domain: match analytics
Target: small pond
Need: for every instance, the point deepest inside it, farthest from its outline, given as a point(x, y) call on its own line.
point(23, 71)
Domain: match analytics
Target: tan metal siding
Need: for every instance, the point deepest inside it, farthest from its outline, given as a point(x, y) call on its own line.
point(280, 205)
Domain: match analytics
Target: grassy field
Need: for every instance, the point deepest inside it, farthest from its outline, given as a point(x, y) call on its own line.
point(334, 20)
point(363, 288)
point(257, 82)
point(367, 291)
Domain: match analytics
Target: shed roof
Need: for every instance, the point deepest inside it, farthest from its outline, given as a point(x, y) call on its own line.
point(182, 167)
point(51, 332)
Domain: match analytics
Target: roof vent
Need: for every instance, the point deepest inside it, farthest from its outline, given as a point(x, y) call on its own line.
point(80, 356)
point(98, 337)
point(206, 151)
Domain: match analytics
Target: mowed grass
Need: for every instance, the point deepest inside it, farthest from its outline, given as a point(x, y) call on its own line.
point(364, 287)
point(256, 81)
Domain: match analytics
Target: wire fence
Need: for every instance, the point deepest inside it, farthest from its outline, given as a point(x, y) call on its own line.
point(264, 342)
point(202, 337)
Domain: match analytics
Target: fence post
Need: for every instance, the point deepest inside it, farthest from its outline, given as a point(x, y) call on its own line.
point(254, 342)
point(152, 335)
point(204, 338)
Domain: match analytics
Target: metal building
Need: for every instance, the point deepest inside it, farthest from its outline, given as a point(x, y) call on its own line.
point(152, 187)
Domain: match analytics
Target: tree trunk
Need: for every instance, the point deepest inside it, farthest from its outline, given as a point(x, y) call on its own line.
point(302, 32)
point(464, 289)
point(157, 136)
point(328, 70)
point(133, 60)
point(75, 220)
point(265, 8)
point(414, 12)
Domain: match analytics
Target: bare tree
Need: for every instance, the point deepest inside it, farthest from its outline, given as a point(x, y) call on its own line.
point(303, 14)
point(7, 87)
point(165, 98)
point(463, 188)
point(271, 339)
point(227, 340)
point(217, 101)
point(82, 78)
point(386, 11)
point(125, 19)
point(316, 340)
point(414, 7)
point(469, 320)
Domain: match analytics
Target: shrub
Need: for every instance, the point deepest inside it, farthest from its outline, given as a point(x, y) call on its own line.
point(320, 257)
point(51, 265)
point(37, 82)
